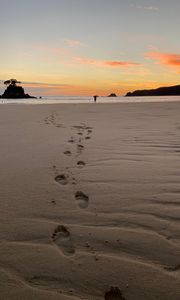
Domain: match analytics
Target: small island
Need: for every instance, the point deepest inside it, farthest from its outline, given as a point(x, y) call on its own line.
point(14, 91)
point(112, 95)
point(162, 91)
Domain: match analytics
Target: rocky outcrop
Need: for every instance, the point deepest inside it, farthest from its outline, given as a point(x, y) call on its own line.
point(15, 92)
point(162, 91)
point(112, 95)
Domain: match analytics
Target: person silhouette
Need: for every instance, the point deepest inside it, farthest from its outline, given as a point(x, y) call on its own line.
point(95, 97)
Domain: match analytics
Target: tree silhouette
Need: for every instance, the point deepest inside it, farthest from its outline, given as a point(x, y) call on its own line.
point(11, 82)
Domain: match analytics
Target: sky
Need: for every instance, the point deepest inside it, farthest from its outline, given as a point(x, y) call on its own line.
point(87, 47)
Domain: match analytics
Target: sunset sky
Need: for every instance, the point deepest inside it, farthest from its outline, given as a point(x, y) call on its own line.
point(86, 47)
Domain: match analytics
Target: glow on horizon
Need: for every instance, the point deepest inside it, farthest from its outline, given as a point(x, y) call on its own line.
point(63, 48)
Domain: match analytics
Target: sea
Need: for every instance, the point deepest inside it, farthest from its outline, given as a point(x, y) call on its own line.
point(88, 100)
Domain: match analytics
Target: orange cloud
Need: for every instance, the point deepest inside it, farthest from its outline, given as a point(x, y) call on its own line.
point(108, 63)
point(45, 85)
point(169, 59)
point(47, 89)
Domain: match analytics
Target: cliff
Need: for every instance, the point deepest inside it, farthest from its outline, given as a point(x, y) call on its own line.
point(162, 91)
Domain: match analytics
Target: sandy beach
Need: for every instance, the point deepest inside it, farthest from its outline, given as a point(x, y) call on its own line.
point(89, 200)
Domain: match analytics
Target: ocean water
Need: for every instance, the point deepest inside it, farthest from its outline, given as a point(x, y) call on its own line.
point(85, 100)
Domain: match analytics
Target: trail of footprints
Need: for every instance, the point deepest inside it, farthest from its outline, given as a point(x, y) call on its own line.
point(61, 236)
point(83, 132)
point(52, 120)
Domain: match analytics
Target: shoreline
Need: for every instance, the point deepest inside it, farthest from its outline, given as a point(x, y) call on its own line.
point(89, 100)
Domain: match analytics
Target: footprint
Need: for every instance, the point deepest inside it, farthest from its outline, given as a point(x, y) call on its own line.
point(71, 140)
point(78, 127)
point(89, 131)
point(82, 199)
point(61, 178)
point(81, 163)
point(87, 137)
point(89, 127)
point(172, 268)
point(53, 202)
point(114, 294)
point(62, 239)
point(47, 123)
point(80, 147)
point(68, 153)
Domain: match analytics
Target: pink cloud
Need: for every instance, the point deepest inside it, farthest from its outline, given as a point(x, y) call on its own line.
point(152, 48)
point(43, 48)
point(120, 64)
point(106, 63)
point(146, 7)
point(75, 43)
point(168, 59)
point(149, 7)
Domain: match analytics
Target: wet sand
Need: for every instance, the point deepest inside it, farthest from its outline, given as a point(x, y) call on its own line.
point(90, 201)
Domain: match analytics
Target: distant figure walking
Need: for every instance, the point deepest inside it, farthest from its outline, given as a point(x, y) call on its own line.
point(95, 97)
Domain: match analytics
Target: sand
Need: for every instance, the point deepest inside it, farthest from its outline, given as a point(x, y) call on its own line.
point(90, 201)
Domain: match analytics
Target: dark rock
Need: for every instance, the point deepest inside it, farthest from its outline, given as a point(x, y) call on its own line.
point(15, 92)
point(162, 91)
point(112, 95)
